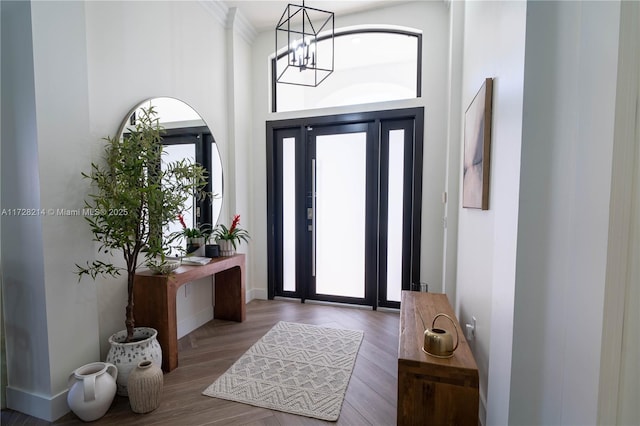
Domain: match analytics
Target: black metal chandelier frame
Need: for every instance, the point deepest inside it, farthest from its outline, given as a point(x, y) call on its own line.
point(303, 55)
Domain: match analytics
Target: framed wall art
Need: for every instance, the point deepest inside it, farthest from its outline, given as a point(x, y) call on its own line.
point(477, 149)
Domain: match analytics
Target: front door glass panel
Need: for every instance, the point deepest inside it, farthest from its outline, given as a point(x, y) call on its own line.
point(340, 209)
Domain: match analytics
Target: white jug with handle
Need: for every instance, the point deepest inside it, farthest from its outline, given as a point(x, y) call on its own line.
point(92, 388)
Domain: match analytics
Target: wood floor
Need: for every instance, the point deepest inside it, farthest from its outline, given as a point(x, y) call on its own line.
point(210, 350)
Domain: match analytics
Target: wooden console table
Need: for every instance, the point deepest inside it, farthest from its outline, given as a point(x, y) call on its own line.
point(433, 391)
point(154, 298)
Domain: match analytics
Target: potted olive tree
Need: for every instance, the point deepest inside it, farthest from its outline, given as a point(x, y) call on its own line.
point(133, 197)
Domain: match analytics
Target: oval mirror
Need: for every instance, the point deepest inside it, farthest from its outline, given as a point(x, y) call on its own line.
point(186, 135)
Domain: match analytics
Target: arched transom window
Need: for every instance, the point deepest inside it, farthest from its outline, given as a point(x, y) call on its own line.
point(371, 65)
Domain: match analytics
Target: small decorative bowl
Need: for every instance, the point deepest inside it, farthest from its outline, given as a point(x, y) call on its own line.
point(163, 269)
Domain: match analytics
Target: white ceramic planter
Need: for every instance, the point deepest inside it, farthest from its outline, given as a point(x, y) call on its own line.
point(127, 356)
point(226, 248)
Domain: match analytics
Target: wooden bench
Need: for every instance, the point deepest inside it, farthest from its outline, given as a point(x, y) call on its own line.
point(433, 391)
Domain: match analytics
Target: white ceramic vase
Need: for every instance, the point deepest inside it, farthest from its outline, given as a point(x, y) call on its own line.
point(127, 356)
point(226, 248)
point(92, 388)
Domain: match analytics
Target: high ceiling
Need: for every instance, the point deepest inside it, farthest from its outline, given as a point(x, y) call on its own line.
point(264, 14)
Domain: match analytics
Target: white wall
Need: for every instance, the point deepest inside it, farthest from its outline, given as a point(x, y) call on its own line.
point(63, 126)
point(140, 50)
point(565, 192)
point(241, 191)
point(619, 385)
point(628, 409)
point(494, 34)
point(46, 312)
point(535, 264)
point(89, 63)
point(432, 19)
point(23, 281)
point(454, 149)
point(194, 305)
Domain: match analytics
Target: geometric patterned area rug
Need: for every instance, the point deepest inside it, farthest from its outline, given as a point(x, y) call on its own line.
point(296, 368)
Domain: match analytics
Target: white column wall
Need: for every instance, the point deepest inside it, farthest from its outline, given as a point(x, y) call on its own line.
point(628, 409)
point(565, 191)
point(454, 148)
point(62, 116)
point(494, 37)
point(24, 299)
point(240, 172)
point(619, 385)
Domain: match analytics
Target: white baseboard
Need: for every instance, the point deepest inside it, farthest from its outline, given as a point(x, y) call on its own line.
point(49, 408)
point(256, 293)
point(187, 325)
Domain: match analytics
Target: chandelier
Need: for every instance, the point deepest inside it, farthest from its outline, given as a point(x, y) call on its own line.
point(304, 38)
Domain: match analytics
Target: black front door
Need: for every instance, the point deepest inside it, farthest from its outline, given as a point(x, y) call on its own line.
point(344, 207)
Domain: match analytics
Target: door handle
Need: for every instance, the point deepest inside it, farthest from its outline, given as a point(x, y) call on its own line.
point(313, 217)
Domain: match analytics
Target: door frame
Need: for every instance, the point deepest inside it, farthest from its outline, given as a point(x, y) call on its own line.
point(202, 139)
point(297, 127)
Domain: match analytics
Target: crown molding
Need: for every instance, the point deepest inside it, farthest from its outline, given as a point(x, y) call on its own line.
point(230, 18)
point(216, 8)
point(237, 22)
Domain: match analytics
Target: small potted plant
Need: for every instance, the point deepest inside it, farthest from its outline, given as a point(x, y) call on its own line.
point(228, 238)
point(196, 237)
